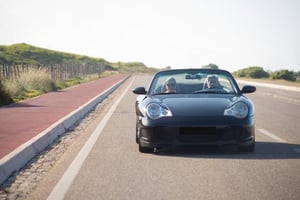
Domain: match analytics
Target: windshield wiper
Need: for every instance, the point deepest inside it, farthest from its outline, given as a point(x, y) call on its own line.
point(211, 91)
point(162, 93)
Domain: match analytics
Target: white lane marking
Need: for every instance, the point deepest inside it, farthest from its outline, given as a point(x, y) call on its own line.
point(65, 182)
point(271, 135)
point(276, 138)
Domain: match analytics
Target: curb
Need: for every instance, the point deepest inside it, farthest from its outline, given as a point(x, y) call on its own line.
point(24, 153)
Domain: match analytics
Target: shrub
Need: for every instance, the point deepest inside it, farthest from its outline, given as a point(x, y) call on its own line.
point(4, 96)
point(29, 84)
point(13, 89)
point(284, 74)
point(252, 72)
point(38, 80)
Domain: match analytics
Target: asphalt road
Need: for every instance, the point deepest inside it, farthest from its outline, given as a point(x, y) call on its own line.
point(109, 166)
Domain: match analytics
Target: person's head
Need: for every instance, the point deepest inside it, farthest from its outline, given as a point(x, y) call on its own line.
point(170, 85)
point(213, 81)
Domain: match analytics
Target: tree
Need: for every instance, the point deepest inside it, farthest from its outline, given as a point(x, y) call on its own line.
point(284, 74)
point(211, 66)
point(252, 72)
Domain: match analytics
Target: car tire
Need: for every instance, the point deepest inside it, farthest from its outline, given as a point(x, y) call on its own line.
point(247, 148)
point(136, 135)
point(145, 149)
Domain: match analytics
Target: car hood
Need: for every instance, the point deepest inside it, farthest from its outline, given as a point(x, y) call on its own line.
point(198, 104)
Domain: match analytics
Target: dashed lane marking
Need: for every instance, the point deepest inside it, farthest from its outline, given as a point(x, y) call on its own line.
point(276, 138)
point(271, 135)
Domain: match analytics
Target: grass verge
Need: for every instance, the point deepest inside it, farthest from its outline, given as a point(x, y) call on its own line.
point(36, 82)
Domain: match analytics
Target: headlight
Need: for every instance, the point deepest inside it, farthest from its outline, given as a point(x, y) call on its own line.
point(238, 110)
point(155, 111)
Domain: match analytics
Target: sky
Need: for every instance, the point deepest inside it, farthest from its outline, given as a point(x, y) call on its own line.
point(232, 34)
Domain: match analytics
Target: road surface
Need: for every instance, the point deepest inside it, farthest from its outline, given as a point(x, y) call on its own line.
point(106, 164)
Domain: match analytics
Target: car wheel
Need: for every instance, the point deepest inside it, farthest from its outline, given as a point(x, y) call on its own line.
point(247, 148)
point(136, 134)
point(145, 149)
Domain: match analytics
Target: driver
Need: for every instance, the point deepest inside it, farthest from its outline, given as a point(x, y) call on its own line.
point(212, 82)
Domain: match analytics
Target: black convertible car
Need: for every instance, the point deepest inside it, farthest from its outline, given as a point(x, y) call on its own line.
point(194, 107)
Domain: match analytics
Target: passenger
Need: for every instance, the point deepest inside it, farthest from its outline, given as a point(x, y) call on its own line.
point(212, 82)
point(170, 85)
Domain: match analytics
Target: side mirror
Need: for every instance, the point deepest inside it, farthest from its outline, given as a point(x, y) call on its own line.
point(139, 90)
point(248, 89)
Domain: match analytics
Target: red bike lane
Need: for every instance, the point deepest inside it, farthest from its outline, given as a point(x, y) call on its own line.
point(20, 122)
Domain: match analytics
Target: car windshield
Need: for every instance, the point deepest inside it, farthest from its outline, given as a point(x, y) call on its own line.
point(192, 81)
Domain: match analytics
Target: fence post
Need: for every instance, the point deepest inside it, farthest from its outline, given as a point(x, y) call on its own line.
point(51, 71)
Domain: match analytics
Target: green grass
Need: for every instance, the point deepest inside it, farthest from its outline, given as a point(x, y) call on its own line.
point(36, 82)
point(29, 84)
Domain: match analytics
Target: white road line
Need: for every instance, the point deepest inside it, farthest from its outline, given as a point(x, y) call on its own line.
point(271, 135)
point(65, 182)
point(276, 138)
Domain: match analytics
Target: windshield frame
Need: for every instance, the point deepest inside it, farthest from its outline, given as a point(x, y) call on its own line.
point(193, 77)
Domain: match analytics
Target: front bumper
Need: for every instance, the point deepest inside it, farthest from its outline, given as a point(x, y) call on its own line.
point(161, 136)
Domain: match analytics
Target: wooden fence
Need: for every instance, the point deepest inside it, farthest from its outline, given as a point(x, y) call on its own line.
point(56, 72)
